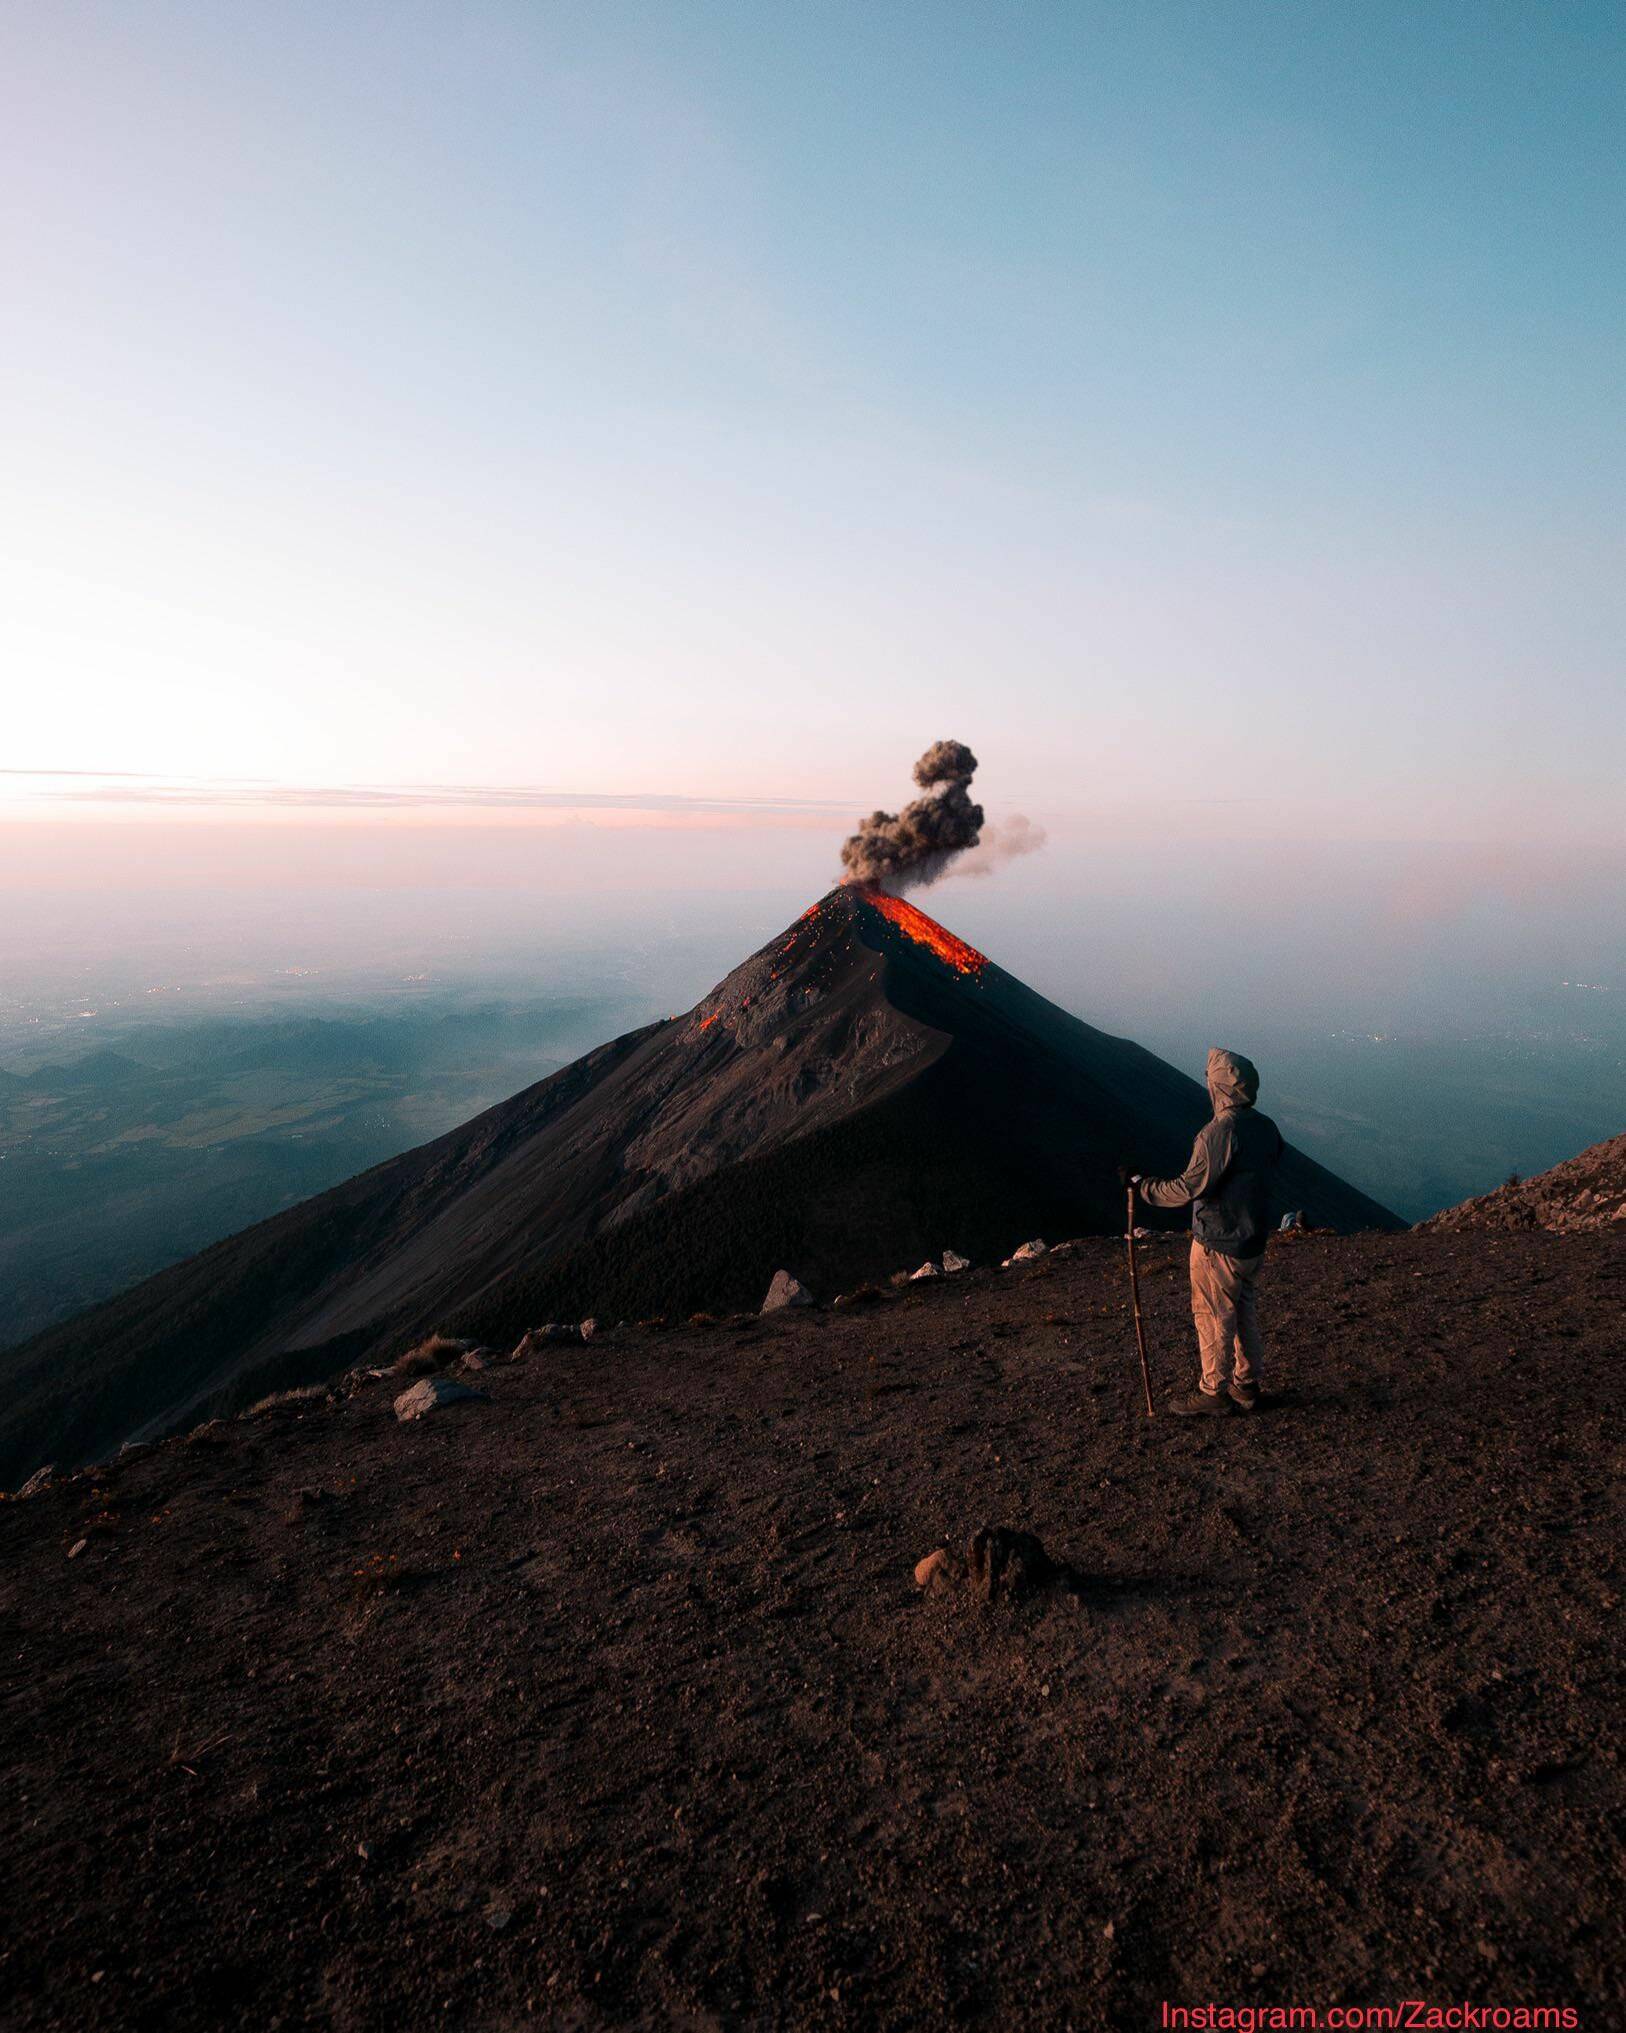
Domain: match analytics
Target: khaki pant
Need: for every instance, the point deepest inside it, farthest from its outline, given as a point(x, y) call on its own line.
point(1226, 1313)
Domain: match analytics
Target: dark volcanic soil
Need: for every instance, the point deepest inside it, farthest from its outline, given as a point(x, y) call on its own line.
point(612, 1701)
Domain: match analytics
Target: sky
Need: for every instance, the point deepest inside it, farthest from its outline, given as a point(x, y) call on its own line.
point(675, 417)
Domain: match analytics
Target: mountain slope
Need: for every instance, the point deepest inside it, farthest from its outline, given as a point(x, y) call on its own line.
point(864, 1090)
point(1586, 1191)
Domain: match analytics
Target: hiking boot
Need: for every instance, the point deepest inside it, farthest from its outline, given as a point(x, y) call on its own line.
point(1244, 1396)
point(1200, 1405)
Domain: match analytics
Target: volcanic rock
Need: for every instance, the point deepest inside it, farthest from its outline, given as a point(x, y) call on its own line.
point(433, 1394)
point(999, 1564)
point(1025, 1254)
point(1006, 1565)
point(786, 1291)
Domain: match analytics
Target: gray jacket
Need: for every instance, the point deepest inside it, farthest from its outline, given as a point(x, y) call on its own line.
point(1229, 1175)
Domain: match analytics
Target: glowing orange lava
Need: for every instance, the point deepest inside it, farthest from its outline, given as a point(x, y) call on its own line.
point(927, 932)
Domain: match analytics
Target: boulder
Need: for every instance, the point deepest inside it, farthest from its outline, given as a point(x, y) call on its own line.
point(1026, 1254)
point(927, 1270)
point(433, 1394)
point(40, 1479)
point(999, 1564)
point(786, 1291)
point(953, 1261)
point(1002, 1564)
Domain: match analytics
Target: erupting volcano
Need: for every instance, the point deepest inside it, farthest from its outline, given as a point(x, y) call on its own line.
point(865, 1090)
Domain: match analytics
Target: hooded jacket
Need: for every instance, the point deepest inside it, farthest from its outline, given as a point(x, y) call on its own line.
point(1229, 1175)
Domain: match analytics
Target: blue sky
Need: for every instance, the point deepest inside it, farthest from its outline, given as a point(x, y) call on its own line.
point(1211, 413)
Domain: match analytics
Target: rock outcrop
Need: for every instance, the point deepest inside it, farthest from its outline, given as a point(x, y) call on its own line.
point(1588, 1191)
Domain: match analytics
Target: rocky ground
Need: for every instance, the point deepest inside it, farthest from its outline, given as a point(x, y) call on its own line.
point(611, 1700)
point(1588, 1191)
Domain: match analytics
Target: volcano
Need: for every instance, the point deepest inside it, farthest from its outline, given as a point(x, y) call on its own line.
point(865, 1090)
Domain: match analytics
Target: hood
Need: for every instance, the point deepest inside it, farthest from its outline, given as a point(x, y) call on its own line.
point(1233, 1082)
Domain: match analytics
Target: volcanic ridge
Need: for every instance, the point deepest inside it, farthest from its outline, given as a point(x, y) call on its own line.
point(863, 1091)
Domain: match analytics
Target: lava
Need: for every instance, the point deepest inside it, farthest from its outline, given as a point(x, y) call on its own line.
point(927, 932)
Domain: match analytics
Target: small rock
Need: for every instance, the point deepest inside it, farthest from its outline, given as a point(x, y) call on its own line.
point(364, 1850)
point(953, 1261)
point(477, 1358)
point(77, 1548)
point(541, 1337)
point(499, 1917)
point(786, 1291)
point(132, 1448)
point(589, 1328)
point(432, 1394)
point(927, 1270)
point(932, 1565)
point(39, 1480)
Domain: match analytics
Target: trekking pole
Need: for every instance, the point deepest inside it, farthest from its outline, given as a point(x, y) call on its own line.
point(1134, 1291)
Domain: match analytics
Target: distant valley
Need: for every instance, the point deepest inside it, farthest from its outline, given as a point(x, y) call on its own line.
point(164, 1138)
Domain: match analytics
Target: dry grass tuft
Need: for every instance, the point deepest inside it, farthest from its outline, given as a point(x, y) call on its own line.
point(282, 1401)
point(427, 1357)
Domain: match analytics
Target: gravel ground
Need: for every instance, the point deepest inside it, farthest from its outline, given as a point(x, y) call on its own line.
point(611, 1701)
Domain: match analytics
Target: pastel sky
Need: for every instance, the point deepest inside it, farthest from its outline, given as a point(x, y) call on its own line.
point(1213, 413)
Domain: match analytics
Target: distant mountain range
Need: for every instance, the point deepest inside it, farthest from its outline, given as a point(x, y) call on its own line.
point(863, 1091)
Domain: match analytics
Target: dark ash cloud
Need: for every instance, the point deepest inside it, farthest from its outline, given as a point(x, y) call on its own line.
point(907, 849)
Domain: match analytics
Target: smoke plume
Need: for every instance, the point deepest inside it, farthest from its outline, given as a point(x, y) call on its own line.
point(1002, 840)
point(904, 850)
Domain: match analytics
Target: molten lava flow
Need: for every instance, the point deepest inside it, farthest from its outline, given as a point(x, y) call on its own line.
point(927, 932)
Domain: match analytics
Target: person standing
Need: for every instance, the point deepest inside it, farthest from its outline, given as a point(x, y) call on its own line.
point(1228, 1183)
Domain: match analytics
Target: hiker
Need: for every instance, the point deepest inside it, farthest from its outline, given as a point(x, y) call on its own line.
point(1228, 1182)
